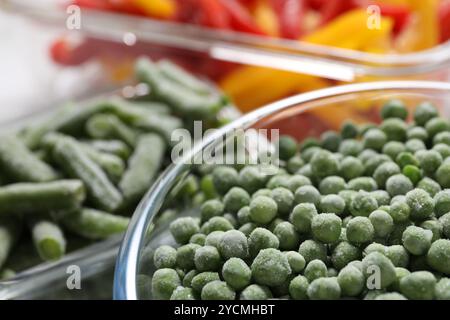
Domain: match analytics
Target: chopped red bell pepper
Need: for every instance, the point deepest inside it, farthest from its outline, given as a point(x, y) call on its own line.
point(290, 15)
point(333, 8)
point(124, 6)
point(240, 18)
point(213, 15)
point(444, 21)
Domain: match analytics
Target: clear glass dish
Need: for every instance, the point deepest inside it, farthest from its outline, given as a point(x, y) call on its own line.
point(295, 116)
point(188, 41)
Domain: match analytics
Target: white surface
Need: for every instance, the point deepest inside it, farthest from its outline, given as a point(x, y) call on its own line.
point(29, 80)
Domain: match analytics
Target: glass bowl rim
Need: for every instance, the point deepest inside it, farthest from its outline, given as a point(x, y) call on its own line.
point(128, 258)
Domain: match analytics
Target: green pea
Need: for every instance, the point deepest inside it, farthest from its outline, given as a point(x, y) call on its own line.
point(442, 289)
point(307, 194)
point(331, 140)
point(302, 216)
point(236, 273)
point(164, 282)
point(202, 279)
point(430, 186)
point(287, 147)
point(261, 238)
point(413, 173)
point(324, 164)
point(383, 198)
point(349, 130)
point(400, 211)
point(284, 199)
point(398, 185)
point(165, 257)
point(417, 133)
point(421, 204)
point(382, 223)
point(233, 243)
point(351, 168)
point(443, 175)
point(417, 240)
point(390, 296)
point(418, 285)
point(211, 208)
point(406, 158)
point(362, 183)
point(429, 160)
point(207, 258)
point(326, 227)
point(287, 236)
point(424, 112)
point(324, 289)
point(185, 256)
point(224, 178)
point(435, 226)
point(255, 292)
point(384, 172)
point(380, 268)
point(332, 203)
point(344, 253)
point(332, 185)
point(315, 269)
point(235, 199)
point(374, 139)
point(350, 147)
point(398, 255)
point(270, 267)
point(182, 293)
point(393, 149)
point(298, 288)
point(363, 204)
point(182, 229)
point(445, 222)
point(217, 290)
point(438, 257)
point(437, 125)
point(296, 261)
point(351, 280)
point(415, 145)
point(263, 209)
point(442, 203)
point(395, 129)
point(394, 109)
point(311, 250)
point(360, 230)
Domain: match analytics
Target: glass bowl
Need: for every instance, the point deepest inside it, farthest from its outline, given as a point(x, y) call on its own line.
point(296, 116)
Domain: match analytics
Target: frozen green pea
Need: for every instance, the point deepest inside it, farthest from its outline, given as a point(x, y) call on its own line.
point(307, 194)
point(417, 133)
point(384, 172)
point(374, 247)
point(311, 250)
point(413, 173)
point(393, 149)
point(296, 261)
point(185, 256)
point(263, 209)
point(217, 290)
point(380, 268)
point(442, 149)
point(330, 140)
point(429, 160)
point(233, 243)
point(435, 226)
point(165, 257)
point(302, 215)
point(350, 168)
point(362, 183)
point(297, 181)
point(287, 236)
point(261, 238)
point(438, 257)
point(324, 289)
point(182, 293)
point(332, 203)
point(415, 145)
point(382, 223)
point(442, 137)
point(248, 228)
point(287, 147)
point(406, 158)
point(309, 143)
point(400, 273)
point(398, 185)
point(315, 269)
point(442, 289)
point(343, 254)
point(372, 163)
point(437, 125)
point(351, 280)
point(373, 294)
point(307, 172)
point(363, 204)
point(218, 224)
point(224, 178)
point(424, 112)
point(187, 280)
point(164, 282)
point(255, 292)
point(201, 279)
point(396, 235)
point(398, 255)
point(347, 196)
point(383, 198)
point(374, 139)
point(421, 204)
point(213, 239)
point(394, 109)
point(350, 147)
point(270, 267)
point(326, 227)
point(243, 215)
point(235, 199)
point(349, 130)
point(309, 153)
point(332, 185)
point(418, 285)
point(417, 240)
point(211, 208)
point(324, 164)
point(182, 229)
point(198, 238)
point(443, 175)
point(395, 129)
point(236, 273)
point(445, 222)
point(400, 211)
point(279, 180)
point(284, 199)
point(207, 258)
point(262, 192)
point(366, 155)
point(294, 164)
point(360, 230)
point(429, 185)
point(298, 288)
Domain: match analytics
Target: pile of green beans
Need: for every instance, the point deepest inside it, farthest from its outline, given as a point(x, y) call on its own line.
point(363, 213)
point(81, 172)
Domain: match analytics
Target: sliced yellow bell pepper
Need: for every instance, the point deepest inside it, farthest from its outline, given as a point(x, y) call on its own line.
point(266, 18)
point(157, 8)
point(428, 33)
